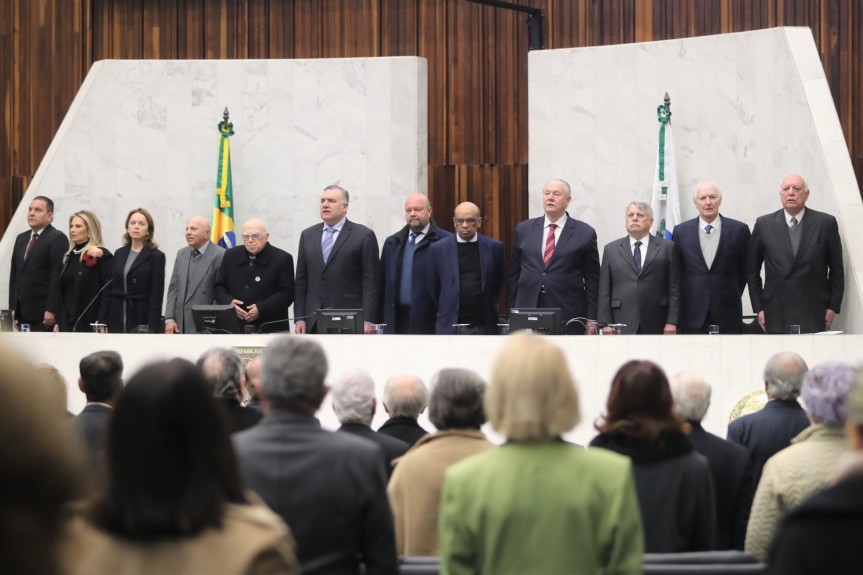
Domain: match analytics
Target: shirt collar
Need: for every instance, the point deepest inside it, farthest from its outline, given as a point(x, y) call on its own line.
point(643, 240)
point(461, 241)
point(338, 227)
point(559, 223)
point(203, 248)
point(798, 216)
point(716, 223)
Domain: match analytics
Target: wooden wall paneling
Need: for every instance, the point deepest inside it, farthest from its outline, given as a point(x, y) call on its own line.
point(7, 95)
point(258, 29)
point(280, 28)
point(307, 26)
point(191, 30)
point(856, 140)
point(442, 181)
point(432, 45)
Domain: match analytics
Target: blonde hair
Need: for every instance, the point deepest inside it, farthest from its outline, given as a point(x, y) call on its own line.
point(94, 233)
point(532, 395)
point(56, 386)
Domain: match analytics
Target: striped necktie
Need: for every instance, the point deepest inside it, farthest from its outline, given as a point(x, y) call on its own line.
point(549, 244)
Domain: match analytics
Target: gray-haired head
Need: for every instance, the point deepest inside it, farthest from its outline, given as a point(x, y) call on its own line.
point(854, 406)
point(783, 375)
point(353, 394)
point(691, 395)
point(456, 399)
point(706, 186)
point(642, 206)
point(825, 392)
point(223, 371)
point(405, 396)
point(345, 195)
point(292, 373)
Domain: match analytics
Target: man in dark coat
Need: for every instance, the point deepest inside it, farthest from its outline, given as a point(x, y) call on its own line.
point(101, 379)
point(37, 258)
point(407, 306)
point(223, 370)
point(804, 278)
point(257, 278)
point(329, 487)
point(766, 432)
point(405, 397)
point(713, 251)
point(729, 462)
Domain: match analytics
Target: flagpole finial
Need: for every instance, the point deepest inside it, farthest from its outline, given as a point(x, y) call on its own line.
point(667, 102)
point(227, 114)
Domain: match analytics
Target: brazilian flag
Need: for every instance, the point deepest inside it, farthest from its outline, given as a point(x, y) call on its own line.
point(223, 212)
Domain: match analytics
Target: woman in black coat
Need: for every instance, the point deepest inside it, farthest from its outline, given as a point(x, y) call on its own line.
point(137, 288)
point(86, 270)
point(673, 482)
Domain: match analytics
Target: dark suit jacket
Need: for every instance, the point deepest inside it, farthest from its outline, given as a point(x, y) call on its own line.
point(390, 446)
point(718, 289)
point(190, 286)
point(422, 307)
point(31, 281)
point(241, 417)
point(732, 484)
point(797, 290)
point(330, 488)
point(267, 283)
point(443, 282)
point(766, 432)
point(86, 283)
point(145, 289)
point(648, 300)
point(572, 277)
point(405, 428)
point(349, 279)
point(92, 423)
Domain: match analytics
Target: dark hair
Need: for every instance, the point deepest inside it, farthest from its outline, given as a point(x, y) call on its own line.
point(171, 464)
point(151, 229)
point(640, 403)
point(456, 400)
point(49, 203)
point(101, 375)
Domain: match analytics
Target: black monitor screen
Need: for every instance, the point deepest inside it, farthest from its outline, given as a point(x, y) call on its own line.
point(339, 321)
point(216, 319)
point(538, 320)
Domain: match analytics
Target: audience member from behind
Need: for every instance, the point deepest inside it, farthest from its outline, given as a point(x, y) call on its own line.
point(405, 397)
point(538, 504)
point(800, 470)
point(354, 403)
point(41, 469)
point(456, 411)
point(729, 462)
point(253, 383)
point(174, 501)
point(822, 534)
point(675, 490)
point(329, 487)
point(56, 386)
point(101, 379)
point(223, 371)
point(766, 432)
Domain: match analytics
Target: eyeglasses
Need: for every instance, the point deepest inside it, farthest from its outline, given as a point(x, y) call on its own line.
point(470, 221)
point(256, 236)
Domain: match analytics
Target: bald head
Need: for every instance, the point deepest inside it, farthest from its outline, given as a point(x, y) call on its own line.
point(255, 235)
point(467, 220)
point(197, 231)
point(691, 395)
point(405, 396)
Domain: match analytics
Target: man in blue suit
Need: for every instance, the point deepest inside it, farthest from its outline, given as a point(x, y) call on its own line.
point(713, 251)
point(555, 262)
point(407, 306)
point(466, 276)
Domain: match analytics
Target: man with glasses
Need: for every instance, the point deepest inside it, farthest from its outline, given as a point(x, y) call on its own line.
point(257, 279)
point(466, 277)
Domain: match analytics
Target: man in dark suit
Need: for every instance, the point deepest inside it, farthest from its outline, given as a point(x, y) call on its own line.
point(257, 278)
point(729, 462)
point(405, 398)
point(766, 432)
point(329, 487)
point(195, 269)
point(466, 276)
point(36, 262)
point(354, 403)
point(555, 262)
point(337, 265)
point(101, 379)
point(639, 281)
point(804, 279)
point(407, 306)
point(223, 370)
point(713, 251)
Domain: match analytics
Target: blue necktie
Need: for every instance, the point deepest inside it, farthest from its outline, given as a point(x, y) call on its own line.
point(636, 255)
point(413, 239)
point(708, 228)
point(327, 244)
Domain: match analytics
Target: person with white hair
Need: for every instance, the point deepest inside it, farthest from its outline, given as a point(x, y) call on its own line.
point(405, 398)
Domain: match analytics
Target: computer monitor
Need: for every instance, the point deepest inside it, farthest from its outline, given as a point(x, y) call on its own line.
point(339, 321)
point(535, 320)
point(216, 319)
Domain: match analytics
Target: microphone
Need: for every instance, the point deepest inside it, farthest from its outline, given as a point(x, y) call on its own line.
point(280, 321)
point(89, 305)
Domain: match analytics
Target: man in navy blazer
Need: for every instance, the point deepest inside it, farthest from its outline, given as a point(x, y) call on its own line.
point(555, 262)
point(466, 276)
point(804, 278)
point(713, 251)
point(406, 304)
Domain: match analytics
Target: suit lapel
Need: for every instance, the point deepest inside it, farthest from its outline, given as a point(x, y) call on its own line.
point(807, 230)
point(724, 238)
point(652, 250)
point(483, 258)
point(143, 256)
point(783, 238)
point(340, 241)
point(565, 234)
point(187, 282)
point(626, 254)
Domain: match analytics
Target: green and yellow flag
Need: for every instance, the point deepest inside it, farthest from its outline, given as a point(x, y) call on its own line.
point(222, 228)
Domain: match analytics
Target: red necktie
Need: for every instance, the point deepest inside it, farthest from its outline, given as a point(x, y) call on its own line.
point(549, 244)
point(30, 245)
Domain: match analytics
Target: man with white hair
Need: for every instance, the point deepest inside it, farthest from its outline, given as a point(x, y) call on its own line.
point(223, 370)
point(766, 432)
point(729, 462)
point(405, 397)
point(354, 403)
